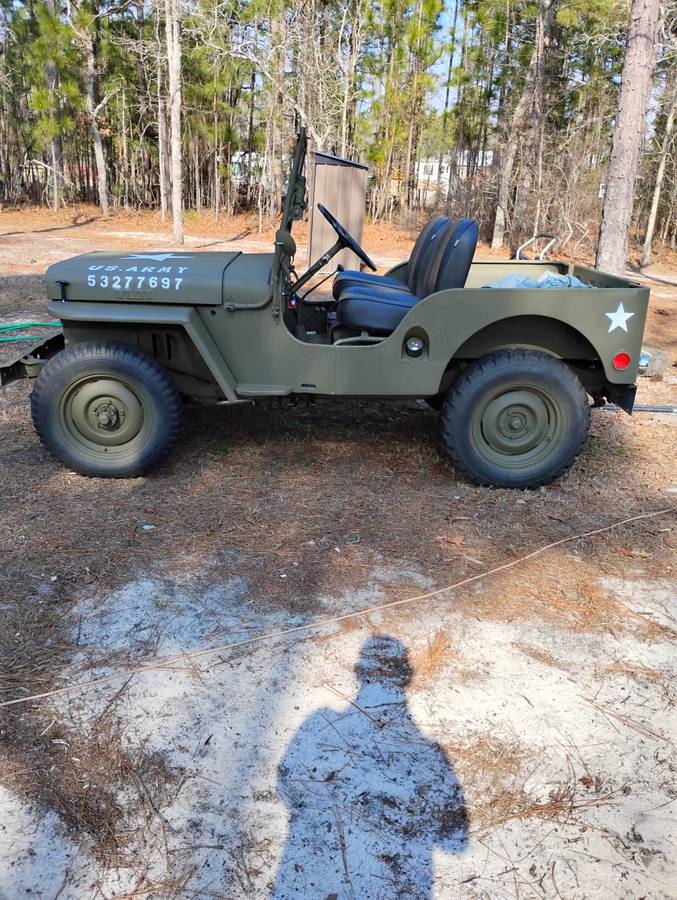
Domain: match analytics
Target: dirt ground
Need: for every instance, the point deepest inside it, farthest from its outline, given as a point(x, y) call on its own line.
point(512, 737)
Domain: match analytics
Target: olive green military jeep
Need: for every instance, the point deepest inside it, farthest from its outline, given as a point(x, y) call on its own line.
point(510, 368)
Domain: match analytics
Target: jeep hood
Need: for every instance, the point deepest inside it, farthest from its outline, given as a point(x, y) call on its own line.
point(146, 277)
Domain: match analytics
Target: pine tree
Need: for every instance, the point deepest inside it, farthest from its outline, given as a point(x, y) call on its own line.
point(628, 135)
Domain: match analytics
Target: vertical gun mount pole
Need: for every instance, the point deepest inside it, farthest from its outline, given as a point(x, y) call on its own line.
point(292, 210)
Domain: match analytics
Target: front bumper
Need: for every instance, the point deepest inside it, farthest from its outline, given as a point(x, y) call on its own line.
point(29, 365)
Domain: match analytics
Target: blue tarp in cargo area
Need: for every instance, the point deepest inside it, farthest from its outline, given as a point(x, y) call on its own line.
point(547, 280)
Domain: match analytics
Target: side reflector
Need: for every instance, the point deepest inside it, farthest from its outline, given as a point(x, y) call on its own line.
point(621, 361)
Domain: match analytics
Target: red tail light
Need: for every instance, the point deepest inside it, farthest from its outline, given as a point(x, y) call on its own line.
point(621, 361)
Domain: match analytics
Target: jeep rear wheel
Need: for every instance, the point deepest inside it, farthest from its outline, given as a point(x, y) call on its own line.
point(105, 409)
point(515, 418)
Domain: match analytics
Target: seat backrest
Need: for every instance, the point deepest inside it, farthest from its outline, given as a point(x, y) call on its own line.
point(425, 242)
point(457, 256)
point(431, 259)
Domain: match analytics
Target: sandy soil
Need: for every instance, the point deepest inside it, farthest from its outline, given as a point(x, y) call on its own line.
point(514, 737)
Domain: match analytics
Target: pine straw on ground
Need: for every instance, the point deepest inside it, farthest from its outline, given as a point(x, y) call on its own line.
point(368, 479)
point(86, 775)
point(494, 774)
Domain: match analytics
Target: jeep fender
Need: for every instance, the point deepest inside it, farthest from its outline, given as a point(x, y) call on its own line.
point(572, 324)
point(126, 314)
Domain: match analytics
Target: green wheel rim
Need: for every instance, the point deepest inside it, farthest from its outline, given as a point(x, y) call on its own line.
point(518, 427)
point(105, 417)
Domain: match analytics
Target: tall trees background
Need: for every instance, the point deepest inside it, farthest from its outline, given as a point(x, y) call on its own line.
point(504, 110)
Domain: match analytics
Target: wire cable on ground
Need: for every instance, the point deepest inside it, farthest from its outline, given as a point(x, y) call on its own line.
point(334, 620)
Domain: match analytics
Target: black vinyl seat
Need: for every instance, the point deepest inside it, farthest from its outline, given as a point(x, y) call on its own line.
point(429, 234)
point(361, 310)
point(445, 264)
point(380, 308)
point(352, 278)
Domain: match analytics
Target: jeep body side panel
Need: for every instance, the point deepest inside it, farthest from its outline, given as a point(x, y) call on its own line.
point(247, 282)
point(261, 350)
point(251, 352)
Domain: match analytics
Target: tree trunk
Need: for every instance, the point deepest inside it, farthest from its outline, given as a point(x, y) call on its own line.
point(91, 109)
point(622, 172)
point(532, 136)
point(505, 179)
point(666, 227)
point(55, 147)
point(445, 113)
point(514, 137)
point(646, 251)
point(348, 72)
point(161, 135)
point(250, 137)
point(173, 36)
point(198, 178)
point(217, 179)
point(124, 150)
point(276, 109)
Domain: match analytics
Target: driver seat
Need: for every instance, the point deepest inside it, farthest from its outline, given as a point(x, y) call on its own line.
point(424, 243)
point(380, 309)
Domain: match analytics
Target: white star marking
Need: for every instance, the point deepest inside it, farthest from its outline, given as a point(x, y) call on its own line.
point(618, 319)
point(158, 257)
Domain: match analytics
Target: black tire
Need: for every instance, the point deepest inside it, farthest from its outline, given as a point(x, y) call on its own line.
point(515, 418)
point(106, 410)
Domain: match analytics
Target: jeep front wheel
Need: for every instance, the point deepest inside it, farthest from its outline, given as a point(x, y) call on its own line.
point(105, 409)
point(515, 418)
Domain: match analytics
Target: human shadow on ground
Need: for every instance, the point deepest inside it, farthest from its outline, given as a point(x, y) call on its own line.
point(369, 795)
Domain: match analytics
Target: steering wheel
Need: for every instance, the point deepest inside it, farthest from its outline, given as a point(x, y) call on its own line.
point(346, 239)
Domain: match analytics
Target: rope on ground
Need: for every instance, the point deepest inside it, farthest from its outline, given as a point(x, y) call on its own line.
point(334, 620)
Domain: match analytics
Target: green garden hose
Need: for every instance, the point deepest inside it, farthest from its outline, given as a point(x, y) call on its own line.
point(21, 326)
